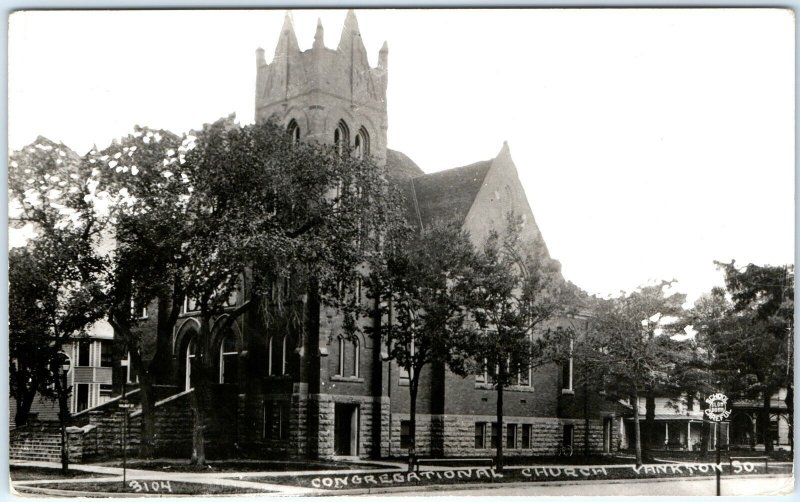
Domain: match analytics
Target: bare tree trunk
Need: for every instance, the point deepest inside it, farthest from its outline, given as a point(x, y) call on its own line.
point(705, 432)
point(650, 421)
point(412, 425)
point(147, 444)
point(26, 392)
point(62, 393)
point(500, 424)
point(200, 394)
point(637, 430)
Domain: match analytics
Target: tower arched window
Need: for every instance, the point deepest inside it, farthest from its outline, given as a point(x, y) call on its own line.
point(228, 359)
point(293, 130)
point(284, 354)
point(341, 137)
point(361, 144)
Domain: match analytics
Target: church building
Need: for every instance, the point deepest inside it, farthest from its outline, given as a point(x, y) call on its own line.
point(320, 394)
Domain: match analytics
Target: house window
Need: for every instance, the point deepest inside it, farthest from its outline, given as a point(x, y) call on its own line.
point(511, 436)
point(495, 437)
point(690, 403)
point(480, 435)
point(569, 435)
point(405, 434)
point(105, 389)
point(82, 396)
point(293, 130)
point(106, 360)
point(228, 359)
point(526, 435)
point(83, 353)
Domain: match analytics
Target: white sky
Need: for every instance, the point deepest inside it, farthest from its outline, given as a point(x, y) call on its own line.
point(649, 142)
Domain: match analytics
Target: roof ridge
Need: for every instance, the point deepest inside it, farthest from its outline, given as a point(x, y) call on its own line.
point(487, 161)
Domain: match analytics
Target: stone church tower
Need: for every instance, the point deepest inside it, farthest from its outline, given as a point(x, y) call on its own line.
point(326, 95)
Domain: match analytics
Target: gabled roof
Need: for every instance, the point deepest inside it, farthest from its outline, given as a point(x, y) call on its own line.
point(449, 194)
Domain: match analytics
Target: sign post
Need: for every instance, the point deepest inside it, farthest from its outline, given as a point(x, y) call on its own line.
point(716, 412)
point(125, 405)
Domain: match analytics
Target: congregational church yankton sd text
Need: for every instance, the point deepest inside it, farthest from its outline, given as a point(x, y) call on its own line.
point(323, 395)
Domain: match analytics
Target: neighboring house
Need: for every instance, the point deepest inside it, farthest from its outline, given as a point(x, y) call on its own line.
point(747, 427)
point(90, 374)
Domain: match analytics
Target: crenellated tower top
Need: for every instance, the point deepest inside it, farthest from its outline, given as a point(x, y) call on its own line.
point(322, 91)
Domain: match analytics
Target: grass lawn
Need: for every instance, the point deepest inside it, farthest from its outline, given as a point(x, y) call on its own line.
point(168, 465)
point(23, 473)
point(157, 488)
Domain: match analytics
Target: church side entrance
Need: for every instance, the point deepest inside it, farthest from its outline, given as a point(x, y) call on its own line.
point(345, 441)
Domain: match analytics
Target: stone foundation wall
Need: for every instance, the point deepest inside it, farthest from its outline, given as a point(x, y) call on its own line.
point(454, 435)
point(173, 429)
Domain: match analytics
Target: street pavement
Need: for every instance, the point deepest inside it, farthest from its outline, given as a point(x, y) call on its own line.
point(751, 485)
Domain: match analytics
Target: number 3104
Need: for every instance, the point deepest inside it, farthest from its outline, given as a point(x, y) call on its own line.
point(150, 486)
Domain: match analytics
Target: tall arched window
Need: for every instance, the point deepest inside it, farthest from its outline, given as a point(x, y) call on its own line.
point(294, 131)
point(341, 137)
point(361, 144)
point(284, 354)
point(228, 359)
point(356, 357)
point(190, 361)
point(340, 369)
point(269, 355)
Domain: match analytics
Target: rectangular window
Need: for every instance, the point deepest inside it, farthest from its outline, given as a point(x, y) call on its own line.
point(566, 370)
point(690, 403)
point(268, 433)
point(105, 354)
point(276, 420)
point(82, 398)
point(511, 436)
point(495, 435)
point(526, 435)
point(284, 421)
point(569, 434)
point(105, 389)
point(83, 353)
point(405, 434)
point(480, 435)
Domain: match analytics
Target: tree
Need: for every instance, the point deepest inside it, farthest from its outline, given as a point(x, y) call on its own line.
point(66, 274)
point(146, 202)
point(699, 377)
point(264, 209)
point(418, 281)
point(629, 347)
point(753, 354)
point(513, 293)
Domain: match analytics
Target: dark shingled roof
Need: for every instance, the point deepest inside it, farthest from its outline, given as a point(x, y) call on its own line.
point(449, 194)
point(399, 167)
point(446, 195)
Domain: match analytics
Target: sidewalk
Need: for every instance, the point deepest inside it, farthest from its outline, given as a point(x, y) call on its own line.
point(313, 482)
